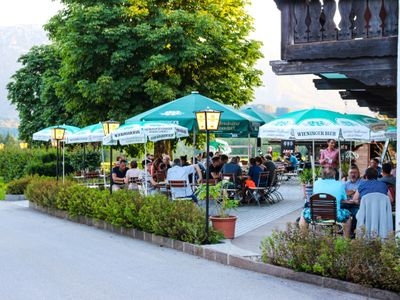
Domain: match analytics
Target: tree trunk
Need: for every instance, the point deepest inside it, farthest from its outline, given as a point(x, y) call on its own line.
point(162, 147)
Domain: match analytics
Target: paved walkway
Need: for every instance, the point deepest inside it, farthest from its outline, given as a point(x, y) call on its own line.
point(47, 258)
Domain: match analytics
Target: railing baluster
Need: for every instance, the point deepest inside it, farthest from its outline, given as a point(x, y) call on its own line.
point(391, 24)
point(301, 29)
point(359, 7)
point(375, 23)
point(330, 30)
point(315, 25)
point(345, 25)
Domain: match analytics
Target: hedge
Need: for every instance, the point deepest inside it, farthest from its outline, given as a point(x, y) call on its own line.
point(181, 220)
point(369, 261)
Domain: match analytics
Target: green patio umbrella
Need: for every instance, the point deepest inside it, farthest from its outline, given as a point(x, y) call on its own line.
point(182, 112)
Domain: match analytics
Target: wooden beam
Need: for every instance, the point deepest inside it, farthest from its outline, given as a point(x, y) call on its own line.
point(338, 84)
point(370, 71)
point(372, 47)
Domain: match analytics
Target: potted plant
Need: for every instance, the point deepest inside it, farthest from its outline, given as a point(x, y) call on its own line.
point(306, 179)
point(223, 221)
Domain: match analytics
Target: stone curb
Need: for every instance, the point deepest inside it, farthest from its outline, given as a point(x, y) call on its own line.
point(10, 197)
point(224, 258)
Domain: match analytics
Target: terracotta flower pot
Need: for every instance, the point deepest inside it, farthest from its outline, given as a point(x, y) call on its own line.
point(225, 225)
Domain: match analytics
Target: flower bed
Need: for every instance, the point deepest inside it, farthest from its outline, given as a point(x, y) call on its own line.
point(180, 220)
point(367, 261)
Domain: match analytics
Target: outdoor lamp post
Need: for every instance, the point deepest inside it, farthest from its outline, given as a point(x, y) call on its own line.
point(108, 128)
point(208, 120)
point(57, 135)
point(23, 145)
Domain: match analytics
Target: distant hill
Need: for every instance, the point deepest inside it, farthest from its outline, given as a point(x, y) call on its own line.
point(14, 41)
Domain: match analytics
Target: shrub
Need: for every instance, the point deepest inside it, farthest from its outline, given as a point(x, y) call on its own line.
point(18, 186)
point(180, 220)
point(2, 189)
point(369, 261)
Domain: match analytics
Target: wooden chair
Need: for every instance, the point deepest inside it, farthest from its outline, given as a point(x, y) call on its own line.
point(323, 209)
point(233, 187)
point(178, 184)
point(258, 192)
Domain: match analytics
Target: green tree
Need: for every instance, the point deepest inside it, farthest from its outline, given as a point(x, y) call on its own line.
point(122, 57)
point(32, 90)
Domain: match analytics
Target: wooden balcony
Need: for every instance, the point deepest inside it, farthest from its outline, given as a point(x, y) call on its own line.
point(355, 38)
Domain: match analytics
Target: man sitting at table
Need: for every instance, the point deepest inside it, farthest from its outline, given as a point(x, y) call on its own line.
point(387, 177)
point(118, 176)
point(371, 185)
point(353, 182)
point(214, 169)
point(178, 172)
point(328, 185)
point(233, 168)
point(271, 168)
point(292, 162)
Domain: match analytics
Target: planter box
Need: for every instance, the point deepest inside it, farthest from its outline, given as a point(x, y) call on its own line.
point(15, 197)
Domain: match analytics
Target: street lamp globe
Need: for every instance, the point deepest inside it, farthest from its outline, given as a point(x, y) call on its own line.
point(58, 133)
point(1, 146)
point(110, 126)
point(208, 120)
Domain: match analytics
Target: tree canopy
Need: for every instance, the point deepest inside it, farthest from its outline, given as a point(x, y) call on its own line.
point(32, 90)
point(117, 58)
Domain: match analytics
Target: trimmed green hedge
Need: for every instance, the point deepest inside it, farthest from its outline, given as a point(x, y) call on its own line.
point(18, 186)
point(181, 220)
point(368, 261)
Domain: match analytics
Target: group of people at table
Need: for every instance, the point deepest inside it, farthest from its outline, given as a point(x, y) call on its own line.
point(350, 192)
point(156, 173)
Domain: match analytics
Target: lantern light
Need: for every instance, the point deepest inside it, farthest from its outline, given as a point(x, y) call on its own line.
point(110, 126)
point(58, 133)
point(208, 120)
point(54, 143)
point(1, 146)
point(23, 145)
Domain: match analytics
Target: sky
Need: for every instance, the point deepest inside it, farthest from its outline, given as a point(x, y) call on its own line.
point(286, 91)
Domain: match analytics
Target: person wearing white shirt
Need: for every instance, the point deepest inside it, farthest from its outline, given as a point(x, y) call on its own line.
point(133, 172)
point(177, 172)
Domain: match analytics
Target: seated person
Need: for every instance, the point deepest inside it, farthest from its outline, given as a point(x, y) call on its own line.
point(233, 168)
point(336, 188)
point(118, 176)
point(374, 163)
point(353, 182)
point(133, 172)
point(147, 179)
point(214, 169)
point(387, 177)
point(224, 159)
point(292, 163)
point(179, 172)
point(259, 162)
point(371, 185)
point(166, 162)
point(271, 168)
point(254, 171)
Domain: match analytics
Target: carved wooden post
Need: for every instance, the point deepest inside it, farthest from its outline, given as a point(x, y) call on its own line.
point(375, 22)
point(315, 25)
point(345, 25)
point(301, 29)
point(330, 30)
point(391, 24)
point(359, 7)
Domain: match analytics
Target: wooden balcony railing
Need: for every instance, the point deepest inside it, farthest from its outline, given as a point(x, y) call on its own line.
point(359, 24)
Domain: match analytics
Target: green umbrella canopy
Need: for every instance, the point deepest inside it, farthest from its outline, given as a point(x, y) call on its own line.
point(373, 123)
point(260, 115)
point(88, 134)
point(182, 112)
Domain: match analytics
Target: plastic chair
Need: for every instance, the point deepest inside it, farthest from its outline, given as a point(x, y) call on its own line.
point(179, 184)
point(323, 209)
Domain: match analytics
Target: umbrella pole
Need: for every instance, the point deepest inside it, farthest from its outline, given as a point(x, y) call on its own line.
point(63, 163)
point(249, 149)
point(104, 169)
point(194, 153)
point(145, 167)
point(313, 160)
point(340, 161)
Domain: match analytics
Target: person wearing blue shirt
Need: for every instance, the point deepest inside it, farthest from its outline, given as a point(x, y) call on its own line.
point(371, 185)
point(293, 163)
point(254, 171)
point(328, 185)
